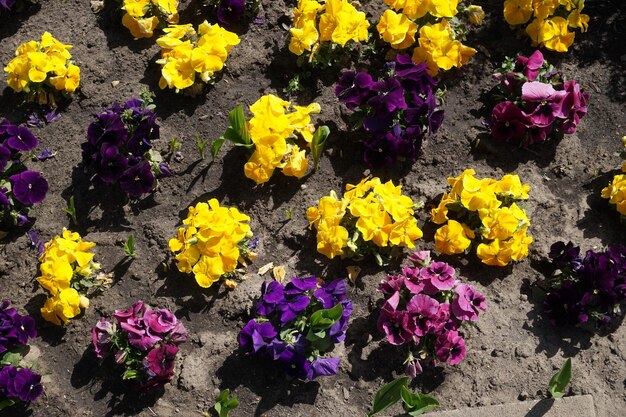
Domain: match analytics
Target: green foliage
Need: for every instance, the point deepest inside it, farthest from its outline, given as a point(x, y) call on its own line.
point(174, 145)
point(237, 132)
point(129, 247)
point(414, 403)
point(6, 403)
point(71, 210)
point(388, 395)
point(224, 404)
point(201, 144)
point(560, 380)
point(318, 142)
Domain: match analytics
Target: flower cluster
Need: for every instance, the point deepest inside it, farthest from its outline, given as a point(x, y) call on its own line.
point(318, 27)
point(425, 307)
point(585, 290)
point(297, 323)
point(537, 103)
point(213, 242)
point(142, 17)
point(69, 274)
point(229, 12)
point(276, 135)
point(43, 68)
point(483, 213)
point(616, 190)
point(142, 339)
point(185, 52)
point(20, 188)
point(371, 218)
point(439, 44)
point(396, 112)
point(119, 149)
point(550, 20)
point(17, 383)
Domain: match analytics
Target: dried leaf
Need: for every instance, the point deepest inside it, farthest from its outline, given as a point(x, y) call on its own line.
point(353, 273)
point(279, 273)
point(115, 83)
point(97, 6)
point(263, 270)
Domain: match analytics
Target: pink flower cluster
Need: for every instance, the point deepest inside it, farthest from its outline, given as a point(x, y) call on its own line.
point(144, 340)
point(537, 102)
point(424, 308)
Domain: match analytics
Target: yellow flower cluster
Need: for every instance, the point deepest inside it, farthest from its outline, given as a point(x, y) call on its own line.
point(212, 242)
point(185, 53)
point(484, 211)
point(371, 215)
point(65, 262)
point(616, 190)
point(336, 21)
point(438, 45)
point(141, 17)
point(548, 26)
point(271, 130)
point(41, 68)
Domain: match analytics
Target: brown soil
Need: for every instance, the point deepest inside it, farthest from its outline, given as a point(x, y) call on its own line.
point(512, 352)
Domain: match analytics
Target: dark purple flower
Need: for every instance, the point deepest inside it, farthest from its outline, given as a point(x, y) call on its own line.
point(424, 315)
point(253, 335)
point(323, 367)
point(20, 138)
point(29, 187)
point(438, 276)
point(561, 305)
point(101, 337)
point(390, 97)
point(160, 321)
point(27, 385)
point(5, 156)
point(52, 115)
point(159, 366)
point(7, 381)
point(565, 255)
point(139, 334)
point(295, 364)
point(354, 89)
point(530, 66)
point(337, 331)
point(413, 77)
point(329, 294)
point(230, 11)
point(35, 239)
point(508, 122)
point(292, 308)
point(451, 346)
point(4, 198)
point(164, 169)
point(272, 295)
point(468, 302)
point(299, 286)
point(393, 322)
point(7, 4)
point(15, 329)
point(110, 162)
point(137, 179)
point(137, 310)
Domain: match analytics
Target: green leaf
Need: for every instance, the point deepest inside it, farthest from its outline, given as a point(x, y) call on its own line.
point(11, 358)
point(323, 319)
point(416, 404)
point(6, 403)
point(560, 380)
point(388, 395)
point(239, 125)
point(129, 247)
point(223, 404)
point(317, 144)
point(216, 146)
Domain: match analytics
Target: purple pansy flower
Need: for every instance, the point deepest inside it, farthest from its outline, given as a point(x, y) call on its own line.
point(438, 276)
point(29, 187)
point(231, 11)
point(450, 345)
point(160, 321)
point(468, 302)
point(101, 337)
point(508, 122)
point(20, 138)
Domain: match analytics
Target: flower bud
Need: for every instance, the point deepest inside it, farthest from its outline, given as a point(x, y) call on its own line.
point(476, 14)
point(84, 302)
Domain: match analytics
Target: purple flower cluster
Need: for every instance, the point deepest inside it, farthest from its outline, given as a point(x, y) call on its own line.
point(16, 383)
point(586, 290)
point(119, 147)
point(424, 308)
point(298, 322)
point(20, 188)
point(6, 5)
point(144, 340)
point(537, 102)
point(396, 112)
